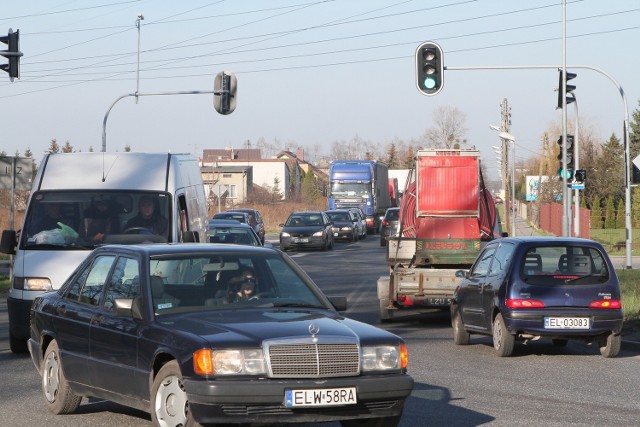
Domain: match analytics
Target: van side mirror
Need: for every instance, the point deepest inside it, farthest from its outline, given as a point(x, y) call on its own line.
point(190, 236)
point(8, 242)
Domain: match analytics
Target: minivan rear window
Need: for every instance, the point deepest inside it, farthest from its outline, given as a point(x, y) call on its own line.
point(564, 263)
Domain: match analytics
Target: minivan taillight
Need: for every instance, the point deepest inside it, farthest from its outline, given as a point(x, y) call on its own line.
point(524, 303)
point(385, 223)
point(606, 303)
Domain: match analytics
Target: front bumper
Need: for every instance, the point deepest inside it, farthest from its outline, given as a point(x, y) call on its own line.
point(245, 401)
point(19, 317)
point(312, 243)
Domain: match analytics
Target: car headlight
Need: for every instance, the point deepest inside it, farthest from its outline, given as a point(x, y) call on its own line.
point(229, 362)
point(285, 234)
point(32, 283)
point(318, 233)
point(383, 358)
point(347, 228)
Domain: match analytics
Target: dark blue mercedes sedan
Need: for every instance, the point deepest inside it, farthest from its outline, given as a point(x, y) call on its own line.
point(524, 289)
point(202, 333)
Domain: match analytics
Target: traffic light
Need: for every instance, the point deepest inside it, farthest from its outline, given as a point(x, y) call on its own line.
point(580, 176)
point(569, 88)
point(429, 68)
point(570, 158)
point(225, 85)
point(13, 54)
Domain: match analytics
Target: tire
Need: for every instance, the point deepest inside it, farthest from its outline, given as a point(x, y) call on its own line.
point(168, 388)
point(460, 336)
point(17, 345)
point(373, 422)
point(386, 315)
point(610, 346)
point(57, 394)
point(503, 341)
point(557, 342)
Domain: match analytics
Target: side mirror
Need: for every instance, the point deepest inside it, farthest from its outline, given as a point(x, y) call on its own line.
point(461, 274)
point(338, 302)
point(9, 242)
point(129, 307)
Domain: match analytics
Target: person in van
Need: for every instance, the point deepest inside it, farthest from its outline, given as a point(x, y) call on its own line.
point(149, 217)
point(100, 218)
point(48, 219)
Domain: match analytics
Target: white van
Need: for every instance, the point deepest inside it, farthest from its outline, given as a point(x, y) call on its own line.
point(81, 200)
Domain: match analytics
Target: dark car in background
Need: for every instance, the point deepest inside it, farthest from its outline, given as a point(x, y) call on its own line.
point(232, 231)
point(389, 225)
point(524, 289)
point(255, 220)
point(306, 230)
point(160, 328)
point(345, 224)
point(236, 216)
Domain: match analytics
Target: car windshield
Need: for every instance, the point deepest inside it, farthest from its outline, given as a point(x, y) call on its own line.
point(237, 235)
point(563, 264)
point(85, 219)
point(392, 215)
point(228, 215)
point(204, 282)
point(303, 220)
point(339, 216)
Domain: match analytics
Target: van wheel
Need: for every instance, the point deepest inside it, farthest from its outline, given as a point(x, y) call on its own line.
point(57, 393)
point(17, 345)
point(460, 336)
point(169, 404)
point(610, 346)
point(503, 341)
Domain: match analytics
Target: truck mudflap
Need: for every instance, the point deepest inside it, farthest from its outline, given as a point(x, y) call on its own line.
point(413, 290)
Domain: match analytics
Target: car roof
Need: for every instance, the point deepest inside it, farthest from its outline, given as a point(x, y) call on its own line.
point(157, 249)
point(226, 223)
point(550, 240)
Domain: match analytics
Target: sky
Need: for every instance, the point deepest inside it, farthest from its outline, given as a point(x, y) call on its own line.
point(309, 72)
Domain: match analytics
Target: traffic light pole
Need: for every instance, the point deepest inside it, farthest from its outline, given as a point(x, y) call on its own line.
point(625, 132)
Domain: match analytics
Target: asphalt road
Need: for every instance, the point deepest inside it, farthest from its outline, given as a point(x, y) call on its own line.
point(455, 385)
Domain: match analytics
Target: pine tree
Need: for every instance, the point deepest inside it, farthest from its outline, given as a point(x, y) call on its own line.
point(67, 148)
point(620, 215)
point(610, 215)
point(54, 148)
point(596, 213)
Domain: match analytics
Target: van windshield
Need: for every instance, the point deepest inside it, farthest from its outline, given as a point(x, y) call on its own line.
point(84, 219)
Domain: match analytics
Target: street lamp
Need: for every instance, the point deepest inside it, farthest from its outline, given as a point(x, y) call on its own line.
point(507, 136)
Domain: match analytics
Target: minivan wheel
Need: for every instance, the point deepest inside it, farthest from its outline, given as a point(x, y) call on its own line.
point(460, 336)
point(610, 346)
point(503, 341)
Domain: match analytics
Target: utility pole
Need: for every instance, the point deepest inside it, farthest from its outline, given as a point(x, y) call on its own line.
point(505, 122)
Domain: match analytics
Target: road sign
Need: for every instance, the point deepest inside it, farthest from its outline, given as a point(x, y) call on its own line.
point(23, 172)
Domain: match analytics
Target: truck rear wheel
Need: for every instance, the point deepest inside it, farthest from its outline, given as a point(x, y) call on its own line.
point(386, 315)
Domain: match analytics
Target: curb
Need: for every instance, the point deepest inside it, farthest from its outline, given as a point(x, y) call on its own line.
point(630, 344)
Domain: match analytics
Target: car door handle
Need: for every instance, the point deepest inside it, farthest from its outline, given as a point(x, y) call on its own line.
point(97, 319)
point(61, 309)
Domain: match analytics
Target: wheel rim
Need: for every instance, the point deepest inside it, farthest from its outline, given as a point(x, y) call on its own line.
point(497, 335)
point(51, 377)
point(171, 405)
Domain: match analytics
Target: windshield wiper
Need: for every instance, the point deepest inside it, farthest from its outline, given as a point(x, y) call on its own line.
point(295, 305)
point(575, 279)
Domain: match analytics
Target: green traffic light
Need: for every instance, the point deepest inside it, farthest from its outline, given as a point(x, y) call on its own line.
point(430, 83)
point(569, 173)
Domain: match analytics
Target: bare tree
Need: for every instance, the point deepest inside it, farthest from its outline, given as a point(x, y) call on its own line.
point(449, 128)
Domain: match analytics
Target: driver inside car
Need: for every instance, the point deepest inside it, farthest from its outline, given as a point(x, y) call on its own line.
point(148, 218)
